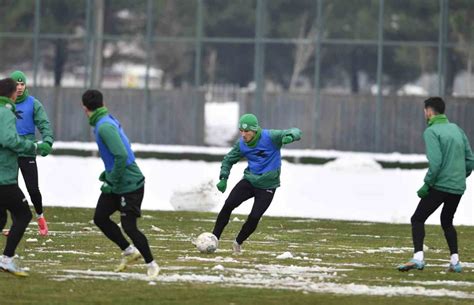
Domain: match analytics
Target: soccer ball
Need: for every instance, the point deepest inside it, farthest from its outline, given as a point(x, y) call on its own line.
point(206, 243)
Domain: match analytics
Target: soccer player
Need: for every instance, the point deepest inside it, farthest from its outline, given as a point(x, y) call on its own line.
point(13, 199)
point(31, 116)
point(450, 162)
point(261, 148)
point(123, 185)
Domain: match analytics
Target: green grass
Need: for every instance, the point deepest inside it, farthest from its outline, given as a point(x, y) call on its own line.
point(339, 253)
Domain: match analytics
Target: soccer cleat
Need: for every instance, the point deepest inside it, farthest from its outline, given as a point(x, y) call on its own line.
point(236, 247)
point(412, 264)
point(455, 268)
point(5, 232)
point(152, 270)
point(128, 259)
point(42, 226)
point(12, 268)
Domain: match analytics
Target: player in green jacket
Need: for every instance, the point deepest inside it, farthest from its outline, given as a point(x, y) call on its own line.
point(123, 185)
point(261, 148)
point(31, 116)
point(450, 161)
point(13, 199)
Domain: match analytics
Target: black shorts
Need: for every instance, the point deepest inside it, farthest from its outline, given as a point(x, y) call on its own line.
point(128, 203)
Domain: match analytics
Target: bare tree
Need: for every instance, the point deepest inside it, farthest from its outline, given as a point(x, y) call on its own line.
point(303, 52)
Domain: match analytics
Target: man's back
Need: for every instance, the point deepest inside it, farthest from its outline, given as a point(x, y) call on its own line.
point(446, 151)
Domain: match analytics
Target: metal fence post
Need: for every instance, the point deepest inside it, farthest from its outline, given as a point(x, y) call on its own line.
point(198, 44)
point(197, 72)
point(259, 63)
point(148, 42)
point(87, 44)
point(36, 41)
point(148, 46)
point(378, 107)
point(317, 71)
point(443, 32)
point(96, 73)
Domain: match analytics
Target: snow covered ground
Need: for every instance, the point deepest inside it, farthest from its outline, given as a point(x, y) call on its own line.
point(352, 188)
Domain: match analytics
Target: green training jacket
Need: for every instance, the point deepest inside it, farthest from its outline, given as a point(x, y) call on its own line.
point(449, 155)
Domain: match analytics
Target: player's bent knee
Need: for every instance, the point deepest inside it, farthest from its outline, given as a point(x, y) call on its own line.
point(99, 220)
point(23, 219)
point(253, 219)
point(416, 220)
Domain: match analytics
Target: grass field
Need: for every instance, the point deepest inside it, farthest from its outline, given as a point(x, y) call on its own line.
point(334, 262)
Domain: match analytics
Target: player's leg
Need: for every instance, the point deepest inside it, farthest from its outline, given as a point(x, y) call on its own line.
point(15, 202)
point(106, 206)
point(263, 199)
point(3, 218)
point(130, 211)
point(425, 208)
point(29, 171)
point(241, 192)
point(447, 214)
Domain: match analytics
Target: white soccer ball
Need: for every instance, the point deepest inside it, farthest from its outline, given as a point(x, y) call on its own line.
point(206, 243)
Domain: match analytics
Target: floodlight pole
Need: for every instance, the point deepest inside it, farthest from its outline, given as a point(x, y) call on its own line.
point(87, 44)
point(96, 74)
point(36, 41)
point(259, 63)
point(317, 71)
point(443, 33)
point(198, 44)
point(378, 106)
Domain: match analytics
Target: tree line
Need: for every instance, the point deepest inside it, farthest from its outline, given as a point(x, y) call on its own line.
point(124, 24)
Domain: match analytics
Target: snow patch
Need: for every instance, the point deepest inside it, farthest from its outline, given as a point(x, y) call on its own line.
point(354, 163)
point(352, 195)
point(201, 198)
point(218, 268)
point(285, 255)
point(156, 229)
point(221, 123)
point(389, 250)
point(272, 281)
point(441, 283)
point(217, 259)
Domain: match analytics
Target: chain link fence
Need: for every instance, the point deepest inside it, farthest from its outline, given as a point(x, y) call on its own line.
point(351, 74)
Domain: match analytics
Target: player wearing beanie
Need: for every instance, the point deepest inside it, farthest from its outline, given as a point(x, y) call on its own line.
point(31, 116)
point(261, 148)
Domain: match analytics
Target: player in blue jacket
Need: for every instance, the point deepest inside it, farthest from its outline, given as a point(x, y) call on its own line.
point(261, 148)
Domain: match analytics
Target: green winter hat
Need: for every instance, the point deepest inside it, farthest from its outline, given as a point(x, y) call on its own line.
point(248, 121)
point(19, 77)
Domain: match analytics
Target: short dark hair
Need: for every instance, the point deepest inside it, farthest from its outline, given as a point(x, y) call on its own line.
point(7, 87)
point(436, 103)
point(92, 99)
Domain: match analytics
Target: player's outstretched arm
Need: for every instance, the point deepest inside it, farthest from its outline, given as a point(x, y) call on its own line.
point(286, 136)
